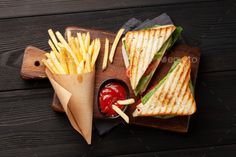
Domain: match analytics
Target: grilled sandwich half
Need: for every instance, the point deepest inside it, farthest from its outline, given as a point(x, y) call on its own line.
point(172, 96)
point(143, 51)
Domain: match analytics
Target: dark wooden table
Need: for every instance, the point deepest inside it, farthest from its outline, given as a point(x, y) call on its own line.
point(28, 127)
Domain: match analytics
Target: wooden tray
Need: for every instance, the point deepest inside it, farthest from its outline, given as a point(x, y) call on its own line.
point(32, 68)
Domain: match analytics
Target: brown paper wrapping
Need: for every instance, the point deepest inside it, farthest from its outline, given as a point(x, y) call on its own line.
point(75, 93)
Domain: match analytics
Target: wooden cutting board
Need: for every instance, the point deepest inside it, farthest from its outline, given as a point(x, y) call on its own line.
point(32, 68)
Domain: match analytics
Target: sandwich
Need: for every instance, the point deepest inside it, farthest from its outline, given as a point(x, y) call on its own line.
point(172, 96)
point(143, 50)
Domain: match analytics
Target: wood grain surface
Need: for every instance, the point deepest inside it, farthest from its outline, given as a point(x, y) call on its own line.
point(209, 151)
point(32, 66)
point(29, 127)
point(14, 8)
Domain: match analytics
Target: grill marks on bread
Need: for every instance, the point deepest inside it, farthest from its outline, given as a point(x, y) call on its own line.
point(173, 97)
point(142, 46)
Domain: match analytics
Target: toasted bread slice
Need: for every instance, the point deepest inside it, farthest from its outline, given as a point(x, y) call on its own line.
point(142, 46)
point(173, 96)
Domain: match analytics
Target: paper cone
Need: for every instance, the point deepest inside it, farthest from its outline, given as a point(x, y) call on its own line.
point(75, 93)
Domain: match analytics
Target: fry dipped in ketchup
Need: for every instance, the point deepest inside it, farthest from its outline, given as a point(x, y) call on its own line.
point(109, 95)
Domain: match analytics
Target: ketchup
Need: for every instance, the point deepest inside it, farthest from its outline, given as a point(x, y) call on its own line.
point(109, 95)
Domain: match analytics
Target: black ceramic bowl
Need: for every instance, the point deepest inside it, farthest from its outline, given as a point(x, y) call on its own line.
point(102, 85)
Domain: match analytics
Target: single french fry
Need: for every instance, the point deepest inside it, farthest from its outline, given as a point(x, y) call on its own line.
point(68, 48)
point(60, 45)
point(121, 113)
point(63, 60)
point(71, 42)
point(105, 57)
point(96, 52)
point(56, 63)
point(67, 58)
point(87, 41)
point(72, 67)
point(77, 42)
point(82, 54)
point(115, 43)
point(79, 52)
point(54, 49)
point(126, 102)
point(82, 47)
point(53, 37)
point(79, 55)
point(88, 63)
point(94, 49)
point(83, 36)
point(51, 65)
point(80, 68)
point(69, 37)
point(47, 55)
point(91, 48)
point(47, 65)
point(69, 63)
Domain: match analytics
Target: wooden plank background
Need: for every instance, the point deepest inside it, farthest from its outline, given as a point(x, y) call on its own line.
point(15, 8)
point(28, 127)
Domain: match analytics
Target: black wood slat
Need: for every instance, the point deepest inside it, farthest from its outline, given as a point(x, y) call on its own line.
point(29, 127)
point(219, 43)
point(14, 8)
point(196, 20)
point(227, 150)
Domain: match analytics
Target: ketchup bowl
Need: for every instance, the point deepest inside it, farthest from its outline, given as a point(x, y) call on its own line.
point(109, 92)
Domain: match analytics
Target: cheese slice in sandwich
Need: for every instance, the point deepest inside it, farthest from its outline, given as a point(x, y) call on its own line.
point(143, 50)
point(172, 95)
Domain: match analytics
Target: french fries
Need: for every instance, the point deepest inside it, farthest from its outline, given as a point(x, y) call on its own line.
point(115, 43)
point(77, 55)
point(97, 46)
point(121, 113)
point(105, 57)
point(126, 102)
